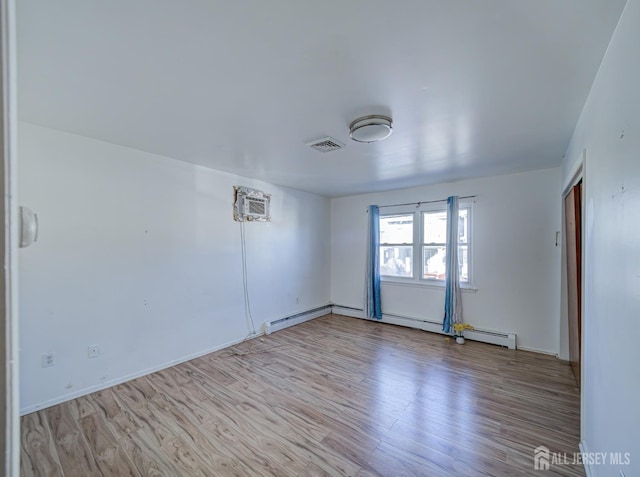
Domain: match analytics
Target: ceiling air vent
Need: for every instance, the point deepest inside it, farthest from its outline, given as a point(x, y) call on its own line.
point(325, 144)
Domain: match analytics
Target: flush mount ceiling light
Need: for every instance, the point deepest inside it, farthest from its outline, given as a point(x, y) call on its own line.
point(371, 128)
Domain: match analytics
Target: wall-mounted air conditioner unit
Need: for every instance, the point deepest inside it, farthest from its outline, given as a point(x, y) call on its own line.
point(251, 205)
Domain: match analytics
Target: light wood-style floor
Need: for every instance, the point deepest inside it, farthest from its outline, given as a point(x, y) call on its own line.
point(334, 396)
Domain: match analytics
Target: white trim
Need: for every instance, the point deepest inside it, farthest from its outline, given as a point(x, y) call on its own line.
point(486, 336)
point(11, 402)
point(128, 377)
point(434, 285)
point(499, 338)
point(575, 174)
point(540, 351)
point(269, 327)
point(583, 285)
point(348, 311)
point(589, 470)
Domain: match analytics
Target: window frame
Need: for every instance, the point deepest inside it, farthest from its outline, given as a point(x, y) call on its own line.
point(390, 244)
point(418, 244)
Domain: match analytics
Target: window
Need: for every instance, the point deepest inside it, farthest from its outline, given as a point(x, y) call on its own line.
point(419, 253)
point(434, 248)
point(396, 245)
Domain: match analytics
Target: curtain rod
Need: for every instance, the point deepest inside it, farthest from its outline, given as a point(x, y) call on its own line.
point(425, 202)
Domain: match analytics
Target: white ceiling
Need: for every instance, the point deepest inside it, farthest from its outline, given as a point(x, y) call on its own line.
point(475, 88)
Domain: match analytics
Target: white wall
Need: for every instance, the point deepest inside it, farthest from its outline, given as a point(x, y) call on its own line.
point(140, 254)
point(516, 265)
point(609, 130)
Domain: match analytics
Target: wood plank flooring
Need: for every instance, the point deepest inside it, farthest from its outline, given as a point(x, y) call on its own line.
point(335, 396)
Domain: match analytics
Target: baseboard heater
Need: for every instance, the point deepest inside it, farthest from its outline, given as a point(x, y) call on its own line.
point(507, 340)
point(269, 327)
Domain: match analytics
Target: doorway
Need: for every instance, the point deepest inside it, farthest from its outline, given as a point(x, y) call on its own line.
point(573, 243)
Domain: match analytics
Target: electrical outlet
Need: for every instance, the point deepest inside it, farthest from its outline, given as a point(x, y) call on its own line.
point(93, 351)
point(48, 359)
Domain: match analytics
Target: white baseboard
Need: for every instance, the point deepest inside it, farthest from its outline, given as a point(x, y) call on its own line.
point(540, 351)
point(291, 320)
point(278, 324)
point(123, 379)
point(486, 336)
point(349, 311)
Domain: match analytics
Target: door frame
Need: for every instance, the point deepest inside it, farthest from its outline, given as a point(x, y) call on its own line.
point(9, 366)
point(576, 174)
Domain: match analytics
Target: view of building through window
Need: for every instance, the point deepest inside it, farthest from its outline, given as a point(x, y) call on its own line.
point(434, 251)
point(396, 245)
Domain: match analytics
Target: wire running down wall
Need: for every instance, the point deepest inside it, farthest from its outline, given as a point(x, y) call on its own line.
point(140, 255)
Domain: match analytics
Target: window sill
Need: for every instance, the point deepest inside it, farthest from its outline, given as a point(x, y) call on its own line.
point(424, 284)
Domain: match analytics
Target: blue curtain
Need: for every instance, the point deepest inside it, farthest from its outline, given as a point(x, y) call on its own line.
point(373, 304)
point(452, 298)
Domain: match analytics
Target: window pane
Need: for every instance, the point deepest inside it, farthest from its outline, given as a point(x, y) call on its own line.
point(435, 227)
point(396, 261)
point(463, 226)
point(463, 260)
point(434, 262)
point(396, 229)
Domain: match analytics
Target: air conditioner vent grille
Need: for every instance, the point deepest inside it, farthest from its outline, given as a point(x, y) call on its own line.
point(325, 144)
point(251, 205)
point(256, 206)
